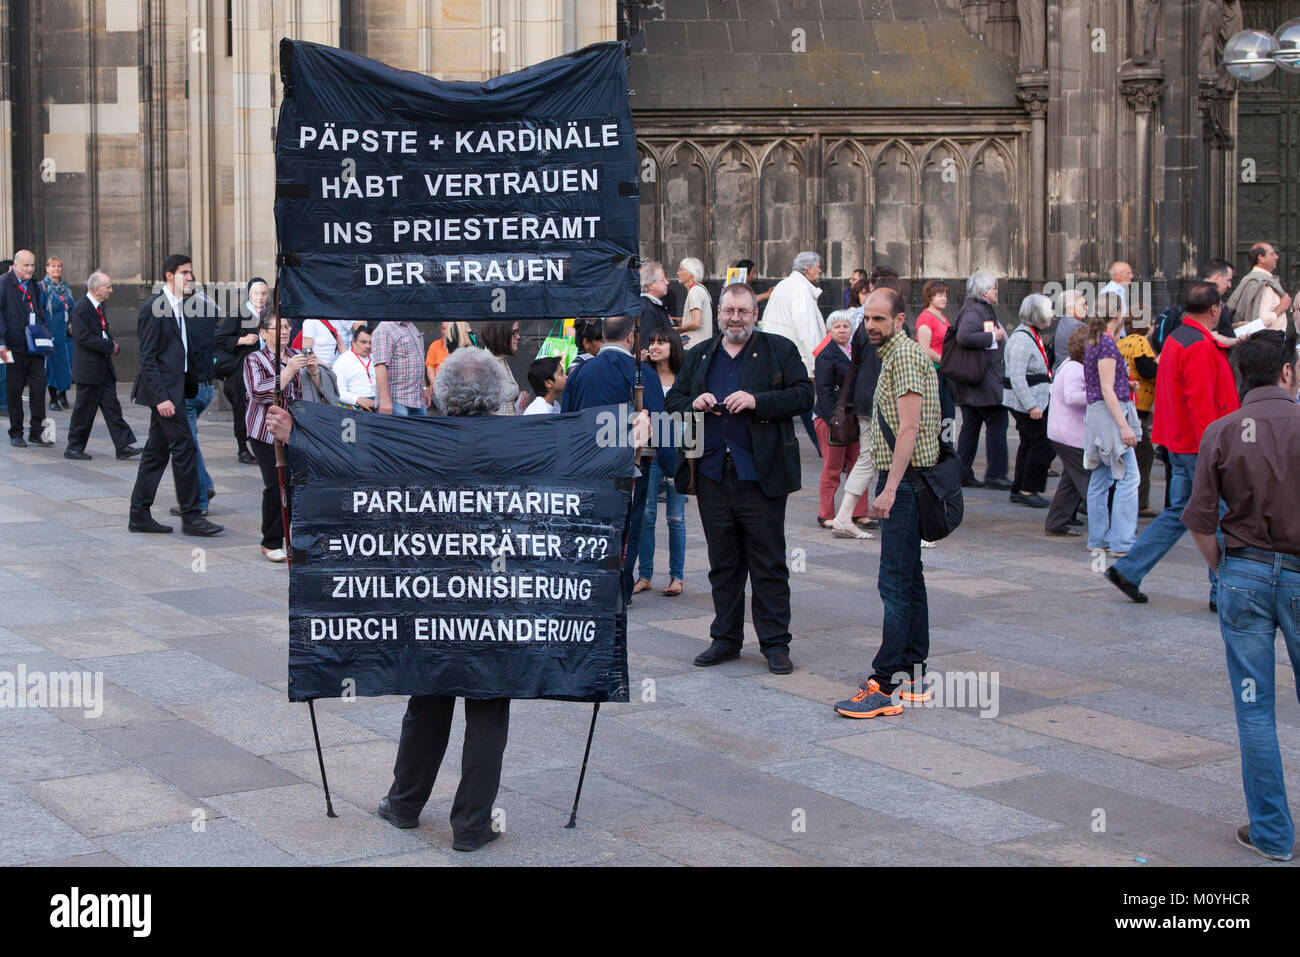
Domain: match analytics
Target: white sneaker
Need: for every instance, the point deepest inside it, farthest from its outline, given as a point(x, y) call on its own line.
point(275, 554)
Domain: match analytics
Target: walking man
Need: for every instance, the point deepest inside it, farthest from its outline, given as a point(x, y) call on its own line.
point(749, 386)
point(1194, 387)
point(1249, 460)
point(92, 370)
point(20, 307)
point(904, 433)
point(162, 384)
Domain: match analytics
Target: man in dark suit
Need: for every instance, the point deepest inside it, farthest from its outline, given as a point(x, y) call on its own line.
point(608, 379)
point(162, 384)
point(654, 309)
point(20, 306)
point(92, 369)
point(750, 386)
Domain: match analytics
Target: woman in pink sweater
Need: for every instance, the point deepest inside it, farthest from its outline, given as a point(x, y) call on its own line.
point(1065, 431)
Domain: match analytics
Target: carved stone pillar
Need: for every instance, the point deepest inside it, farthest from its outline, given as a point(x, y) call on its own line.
point(1031, 91)
point(1216, 102)
point(1143, 86)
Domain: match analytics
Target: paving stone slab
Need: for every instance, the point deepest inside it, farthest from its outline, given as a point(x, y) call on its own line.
point(1121, 736)
point(33, 834)
point(265, 722)
point(116, 801)
point(171, 677)
point(933, 758)
point(204, 843)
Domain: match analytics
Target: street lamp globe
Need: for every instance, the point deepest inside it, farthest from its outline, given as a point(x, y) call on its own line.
point(1248, 55)
point(1288, 42)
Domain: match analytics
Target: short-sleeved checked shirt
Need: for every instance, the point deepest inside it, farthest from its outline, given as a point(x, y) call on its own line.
point(905, 367)
point(400, 346)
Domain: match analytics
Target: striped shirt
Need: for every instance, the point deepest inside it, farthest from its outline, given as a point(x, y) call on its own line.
point(400, 347)
point(905, 367)
point(259, 381)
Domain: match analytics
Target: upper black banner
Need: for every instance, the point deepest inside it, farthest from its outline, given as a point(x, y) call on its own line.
point(475, 556)
point(403, 197)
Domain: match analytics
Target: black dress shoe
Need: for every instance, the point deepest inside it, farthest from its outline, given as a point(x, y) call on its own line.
point(149, 525)
point(77, 454)
point(37, 440)
point(1126, 586)
point(971, 483)
point(717, 653)
point(388, 814)
point(247, 458)
point(1004, 484)
point(1065, 531)
point(202, 527)
point(473, 843)
point(1033, 499)
point(778, 662)
point(18, 442)
point(176, 510)
point(129, 452)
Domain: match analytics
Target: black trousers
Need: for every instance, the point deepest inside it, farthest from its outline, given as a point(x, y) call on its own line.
point(272, 520)
point(1035, 454)
point(745, 532)
point(92, 398)
point(1070, 490)
point(994, 420)
point(169, 438)
point(425, 730)
point(26, 372)
point(632, 547)
point(237, 396)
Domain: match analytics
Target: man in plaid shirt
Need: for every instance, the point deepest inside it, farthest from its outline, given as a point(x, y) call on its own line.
point(907, 400)
point(397, 351)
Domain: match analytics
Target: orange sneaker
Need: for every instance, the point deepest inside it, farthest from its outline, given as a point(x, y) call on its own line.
point(869, 702)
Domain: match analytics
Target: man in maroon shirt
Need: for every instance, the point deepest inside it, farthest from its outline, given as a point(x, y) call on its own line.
point(1249, 460)
point(1194, 386)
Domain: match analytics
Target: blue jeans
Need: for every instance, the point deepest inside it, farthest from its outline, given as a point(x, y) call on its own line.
point(1166, 528)
point(1114, 531)
point(676, 528)
point(1255, 600)
point(399, 409)
point(905, 633)
point(193, 409)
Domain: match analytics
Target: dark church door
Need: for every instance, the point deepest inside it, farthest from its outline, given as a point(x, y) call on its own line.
point(1268, 149)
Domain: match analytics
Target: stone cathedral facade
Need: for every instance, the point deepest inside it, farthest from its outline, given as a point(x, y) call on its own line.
point(1031, 138)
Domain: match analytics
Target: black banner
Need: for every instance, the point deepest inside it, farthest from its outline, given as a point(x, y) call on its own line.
point(403, 197)
point(474, 556)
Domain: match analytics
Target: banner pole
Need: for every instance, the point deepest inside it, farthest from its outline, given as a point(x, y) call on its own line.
point(329, 805)
point(573, 815)
point(279, 447)
point(638, 388)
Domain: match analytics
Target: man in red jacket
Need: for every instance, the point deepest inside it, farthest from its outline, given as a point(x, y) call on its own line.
point(1194, 386)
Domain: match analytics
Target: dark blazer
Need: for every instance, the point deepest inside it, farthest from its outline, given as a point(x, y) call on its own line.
point(608, 379)
point(969, 330)
point(14, 309)
point(869, 365)
point(92, 354)
point(832, 367)
point(162, 358)
point(775, 375)
point(653, 317)
point(229, 353)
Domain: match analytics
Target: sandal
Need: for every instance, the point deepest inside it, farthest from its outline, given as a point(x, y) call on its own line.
point(675, 586)
point(839, 531)
point(641, 585)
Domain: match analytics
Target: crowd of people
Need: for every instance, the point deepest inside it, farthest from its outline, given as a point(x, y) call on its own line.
point(1101, 386)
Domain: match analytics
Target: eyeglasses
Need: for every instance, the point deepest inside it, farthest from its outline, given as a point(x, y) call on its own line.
point(728, 313)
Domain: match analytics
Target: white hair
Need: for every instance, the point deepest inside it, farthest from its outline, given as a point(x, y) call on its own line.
point(1065, 299)
point(694, 267)
point(1036, 310)
point(97, 280)
point(806, 260)
point(979, 285)
point(471, 381)
point(648, 272)
point(840, 315)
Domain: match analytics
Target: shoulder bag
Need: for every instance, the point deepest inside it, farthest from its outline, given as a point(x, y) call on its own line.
point(959, 364)
point(939, 499)
point(843, 425)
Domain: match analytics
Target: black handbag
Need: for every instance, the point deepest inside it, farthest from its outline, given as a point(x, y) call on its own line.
point(939, 499)
point(842, 429)
point(965, 366)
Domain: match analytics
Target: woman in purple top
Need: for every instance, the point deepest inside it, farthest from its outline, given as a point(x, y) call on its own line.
point(1110, 425)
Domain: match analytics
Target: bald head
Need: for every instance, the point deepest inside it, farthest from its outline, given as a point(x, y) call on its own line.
point(24, 264)
point(1121, 273)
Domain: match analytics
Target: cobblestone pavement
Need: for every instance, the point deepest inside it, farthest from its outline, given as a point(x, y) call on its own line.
point(1113, 743)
